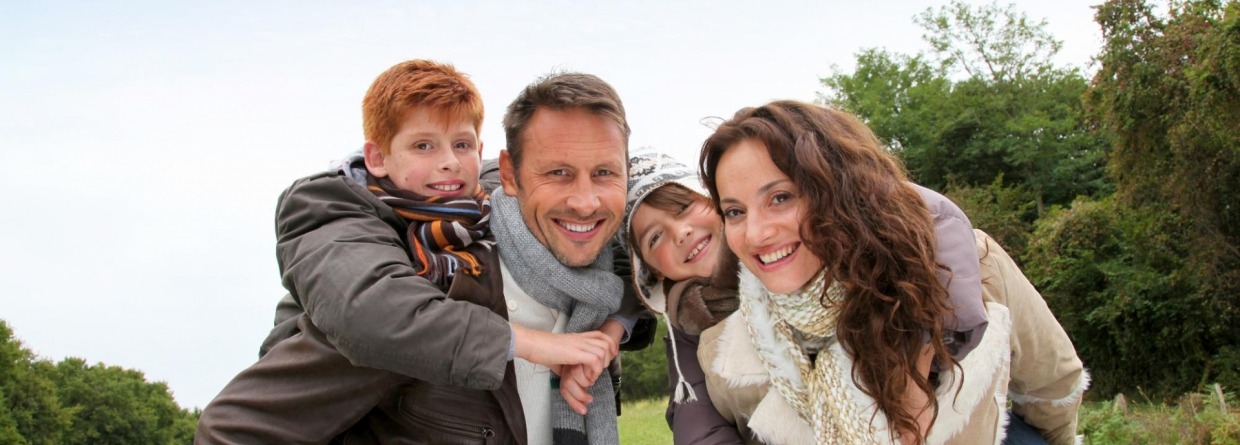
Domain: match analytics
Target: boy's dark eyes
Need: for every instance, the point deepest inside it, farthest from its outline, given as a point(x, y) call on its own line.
point(422, 146)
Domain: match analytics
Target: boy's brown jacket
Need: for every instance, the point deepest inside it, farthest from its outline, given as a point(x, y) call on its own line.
point(457, 349)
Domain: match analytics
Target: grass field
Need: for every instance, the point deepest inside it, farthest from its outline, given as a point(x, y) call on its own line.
point(642, 422)
point(1196, 419)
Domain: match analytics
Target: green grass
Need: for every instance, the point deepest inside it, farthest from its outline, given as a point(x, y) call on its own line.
point(642, 422)
point(1194, 419)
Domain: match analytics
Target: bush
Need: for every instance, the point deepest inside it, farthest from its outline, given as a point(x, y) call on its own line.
point(1119, 280)
point(1005, 212)
point(645, 371)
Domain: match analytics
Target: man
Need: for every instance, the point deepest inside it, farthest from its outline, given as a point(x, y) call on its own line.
point(563, 193)
point(564, 177)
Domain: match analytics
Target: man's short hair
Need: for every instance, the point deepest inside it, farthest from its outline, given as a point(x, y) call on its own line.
point(417, 83)
point(561, 91)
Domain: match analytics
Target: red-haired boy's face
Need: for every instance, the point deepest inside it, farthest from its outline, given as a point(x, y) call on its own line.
point(431, 154)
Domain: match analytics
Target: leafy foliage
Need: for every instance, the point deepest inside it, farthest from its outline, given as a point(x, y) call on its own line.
point(1016, 116)
point(1148, 282)
point(645, 371)
point(1103, 268)
point(1002, 211)
point(74, 403)
point(30, 412)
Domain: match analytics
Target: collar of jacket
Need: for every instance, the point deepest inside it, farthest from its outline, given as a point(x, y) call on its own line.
point(773, 420)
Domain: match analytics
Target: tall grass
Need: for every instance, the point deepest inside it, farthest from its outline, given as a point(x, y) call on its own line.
point(1194, 419)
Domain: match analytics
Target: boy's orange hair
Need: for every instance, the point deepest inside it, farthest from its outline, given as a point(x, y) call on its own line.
point(417, 83)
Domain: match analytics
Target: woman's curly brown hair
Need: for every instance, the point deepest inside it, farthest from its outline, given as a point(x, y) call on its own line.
point(872, 231)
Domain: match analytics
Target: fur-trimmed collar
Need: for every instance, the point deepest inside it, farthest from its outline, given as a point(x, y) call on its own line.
point(737, 362)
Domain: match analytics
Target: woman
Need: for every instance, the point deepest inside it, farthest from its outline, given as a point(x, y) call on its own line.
point(846, 332)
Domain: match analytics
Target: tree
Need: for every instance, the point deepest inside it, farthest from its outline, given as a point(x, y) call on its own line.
point(992, 43)
point(1169, 89)
point(29, 410)
point(1015, 116)
point(113, 405)
point(75, 403)
point(1147, 283)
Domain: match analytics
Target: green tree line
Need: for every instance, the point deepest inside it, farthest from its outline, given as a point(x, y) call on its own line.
point(72, 402)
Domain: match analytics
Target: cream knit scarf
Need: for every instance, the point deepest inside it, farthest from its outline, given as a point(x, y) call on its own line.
point(816, 390)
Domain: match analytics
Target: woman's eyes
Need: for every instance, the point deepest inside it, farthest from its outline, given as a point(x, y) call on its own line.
point(781, 197)
point(732, 213)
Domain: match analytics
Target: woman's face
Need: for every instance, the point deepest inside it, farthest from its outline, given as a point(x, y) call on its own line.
point(762, 216)
point(679, 245)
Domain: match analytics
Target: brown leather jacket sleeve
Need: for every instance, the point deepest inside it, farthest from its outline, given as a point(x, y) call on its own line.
point(342, 255)
point(301, 391)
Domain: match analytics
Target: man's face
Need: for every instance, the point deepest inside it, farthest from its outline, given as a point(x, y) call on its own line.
point(431, 155)
point(571, 184)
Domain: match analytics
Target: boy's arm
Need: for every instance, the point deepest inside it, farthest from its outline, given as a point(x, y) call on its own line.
point(302, 391)
point(341, 256)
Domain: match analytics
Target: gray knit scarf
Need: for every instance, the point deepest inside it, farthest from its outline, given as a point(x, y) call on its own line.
point(586, 294)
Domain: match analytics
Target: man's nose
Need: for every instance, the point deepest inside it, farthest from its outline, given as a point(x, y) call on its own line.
point(583, 199)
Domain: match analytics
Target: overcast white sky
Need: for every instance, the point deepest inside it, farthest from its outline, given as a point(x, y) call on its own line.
point(147, 141)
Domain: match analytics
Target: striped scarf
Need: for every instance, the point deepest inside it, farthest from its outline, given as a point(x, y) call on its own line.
point(439, 229)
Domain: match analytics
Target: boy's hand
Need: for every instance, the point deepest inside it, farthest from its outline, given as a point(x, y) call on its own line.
point(593, 349)
point(575, 386)
point(576, 380)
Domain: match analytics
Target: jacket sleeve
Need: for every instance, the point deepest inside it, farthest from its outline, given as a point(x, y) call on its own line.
point(694, 422)
point(301, 391)
point(954, 249)
point(1047, 377)
point(343, 259)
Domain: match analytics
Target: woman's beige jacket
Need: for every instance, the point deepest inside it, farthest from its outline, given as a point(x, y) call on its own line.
point(1025, 359)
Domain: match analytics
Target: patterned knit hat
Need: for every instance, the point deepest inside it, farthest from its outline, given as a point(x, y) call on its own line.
point(648, 171)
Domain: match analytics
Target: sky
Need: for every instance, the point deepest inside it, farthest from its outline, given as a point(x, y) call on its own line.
point(140, 233)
